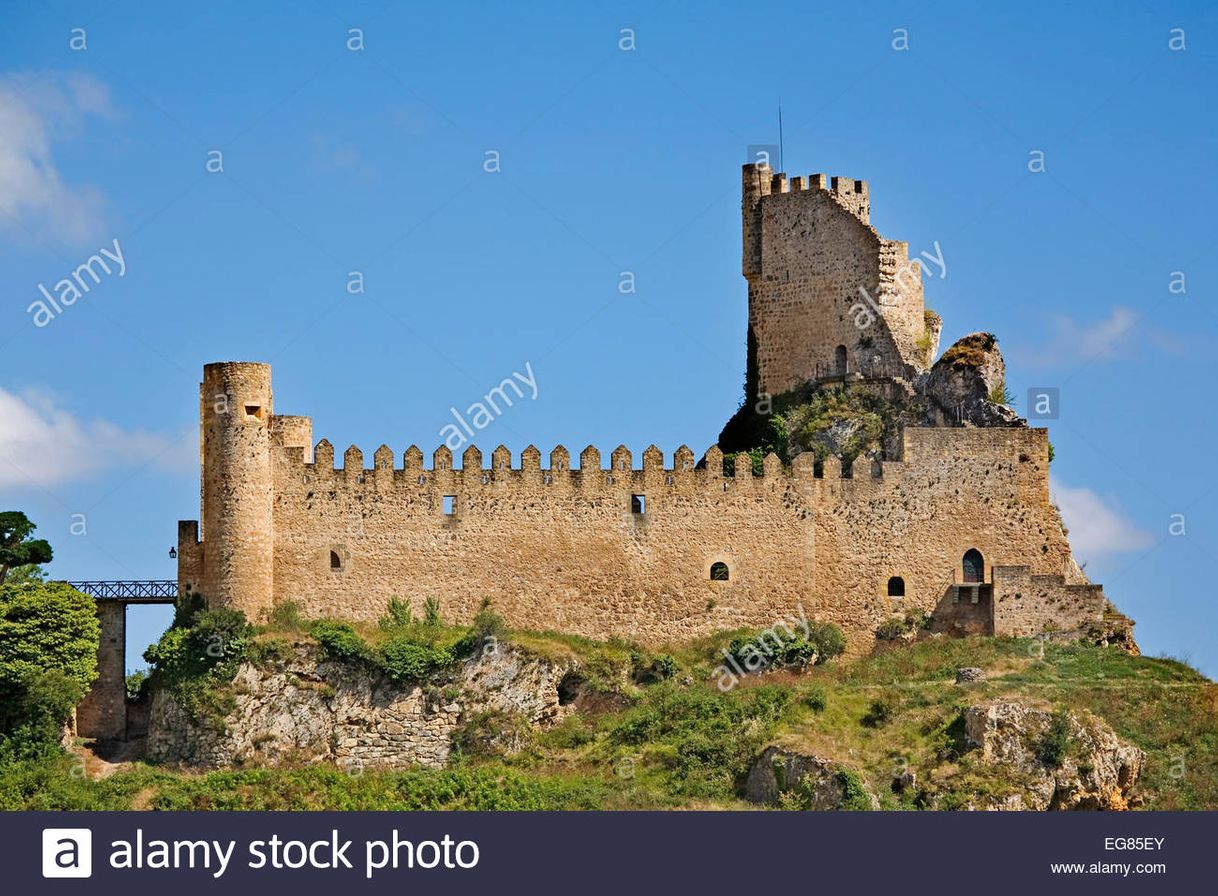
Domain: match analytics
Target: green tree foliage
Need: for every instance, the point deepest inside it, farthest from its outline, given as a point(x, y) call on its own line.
point(17, 548)
point(48, 657)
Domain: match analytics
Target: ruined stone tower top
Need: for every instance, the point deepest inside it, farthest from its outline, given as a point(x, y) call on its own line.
point(828, 296)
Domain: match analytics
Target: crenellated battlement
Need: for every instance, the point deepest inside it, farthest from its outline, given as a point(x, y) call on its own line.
point(923, 449)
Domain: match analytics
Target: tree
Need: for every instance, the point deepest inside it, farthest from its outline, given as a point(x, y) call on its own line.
point(48, 657)
point(16, 546)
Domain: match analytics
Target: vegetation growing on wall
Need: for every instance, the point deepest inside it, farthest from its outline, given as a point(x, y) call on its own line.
point(198, 656)
point(829, 421)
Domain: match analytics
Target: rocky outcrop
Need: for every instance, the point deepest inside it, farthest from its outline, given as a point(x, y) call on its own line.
point(960, 385)
point(1064, 762)
point(807, 781)
point(307, 707)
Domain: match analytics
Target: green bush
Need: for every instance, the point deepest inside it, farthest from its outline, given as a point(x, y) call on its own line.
point(891, 629)
point(405, 660)
point(198, 657)
point(431, 613)
point(828, 639)
point(137, 684)
point(646, 669)
point(488, 625)
point(880, 713)
point(340, 640)
point(815, 699)
point(198, 643)
point(286, 617)
point(824, 641)
point(854, 794)
point(398, 614)
point(1054, 742)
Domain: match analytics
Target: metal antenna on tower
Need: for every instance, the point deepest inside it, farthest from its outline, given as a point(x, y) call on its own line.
point(781, 165)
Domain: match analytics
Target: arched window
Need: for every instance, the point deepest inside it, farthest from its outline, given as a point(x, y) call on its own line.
point(839, 360)
point(336, 561)
point(974, 567)
point(719, 572)
point(896, 587)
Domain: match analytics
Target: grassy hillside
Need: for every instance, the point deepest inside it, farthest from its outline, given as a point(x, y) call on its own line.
point(652, 731)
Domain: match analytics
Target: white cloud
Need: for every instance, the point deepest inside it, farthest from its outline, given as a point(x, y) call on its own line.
point(36, 111)
point(1096, 526)
point(41, 444)
point(1112, 338)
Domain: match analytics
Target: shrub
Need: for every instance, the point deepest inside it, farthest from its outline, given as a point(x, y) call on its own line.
point(880, 713)
point(340, 640)
point(398, 614)
point(137, 684)
point(828, 640)
point(286, 617)
point(645, 669)
point(431, 613)
point(198, 656)
point(815, 700)
point(488, 625)
point(854, 794)
point(408, 661)
point(891, 629)
point(1054, 742)
point(1000, 394)
point(490, 733)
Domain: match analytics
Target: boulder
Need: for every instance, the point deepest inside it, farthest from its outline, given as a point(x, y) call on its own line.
point(961, 382)
point(1096, 770)
point(817, 784)
point(967, 674)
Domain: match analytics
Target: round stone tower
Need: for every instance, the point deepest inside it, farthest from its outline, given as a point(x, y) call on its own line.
point(238, 530)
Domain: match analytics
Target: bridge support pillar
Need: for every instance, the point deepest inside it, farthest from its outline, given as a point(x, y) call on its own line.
point(103, 712)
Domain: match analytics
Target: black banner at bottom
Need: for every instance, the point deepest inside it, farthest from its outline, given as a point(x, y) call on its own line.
point(612, 852)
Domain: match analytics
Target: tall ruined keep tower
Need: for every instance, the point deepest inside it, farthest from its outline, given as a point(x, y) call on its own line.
point(827, 294)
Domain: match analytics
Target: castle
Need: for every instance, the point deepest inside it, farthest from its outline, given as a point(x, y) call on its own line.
point(952, 516)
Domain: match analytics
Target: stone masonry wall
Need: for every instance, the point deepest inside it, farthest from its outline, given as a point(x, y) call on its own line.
point(103, 712)
point(554, 549)
point(954, 489)
point(557, 548)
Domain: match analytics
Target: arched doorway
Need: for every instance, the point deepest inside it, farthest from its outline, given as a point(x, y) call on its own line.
point(974, 567)
point(839, 360)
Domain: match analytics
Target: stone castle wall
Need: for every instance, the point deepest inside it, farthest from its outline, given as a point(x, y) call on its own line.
point(562, 548)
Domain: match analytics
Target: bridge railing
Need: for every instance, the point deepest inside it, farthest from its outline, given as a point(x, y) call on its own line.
point(158, 590)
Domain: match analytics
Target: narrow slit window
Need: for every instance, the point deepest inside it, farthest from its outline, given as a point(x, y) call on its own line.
point(638, 504)
point(336, 562)
point(450, 505)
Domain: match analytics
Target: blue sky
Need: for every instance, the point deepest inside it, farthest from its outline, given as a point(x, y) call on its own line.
point(373, 160)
